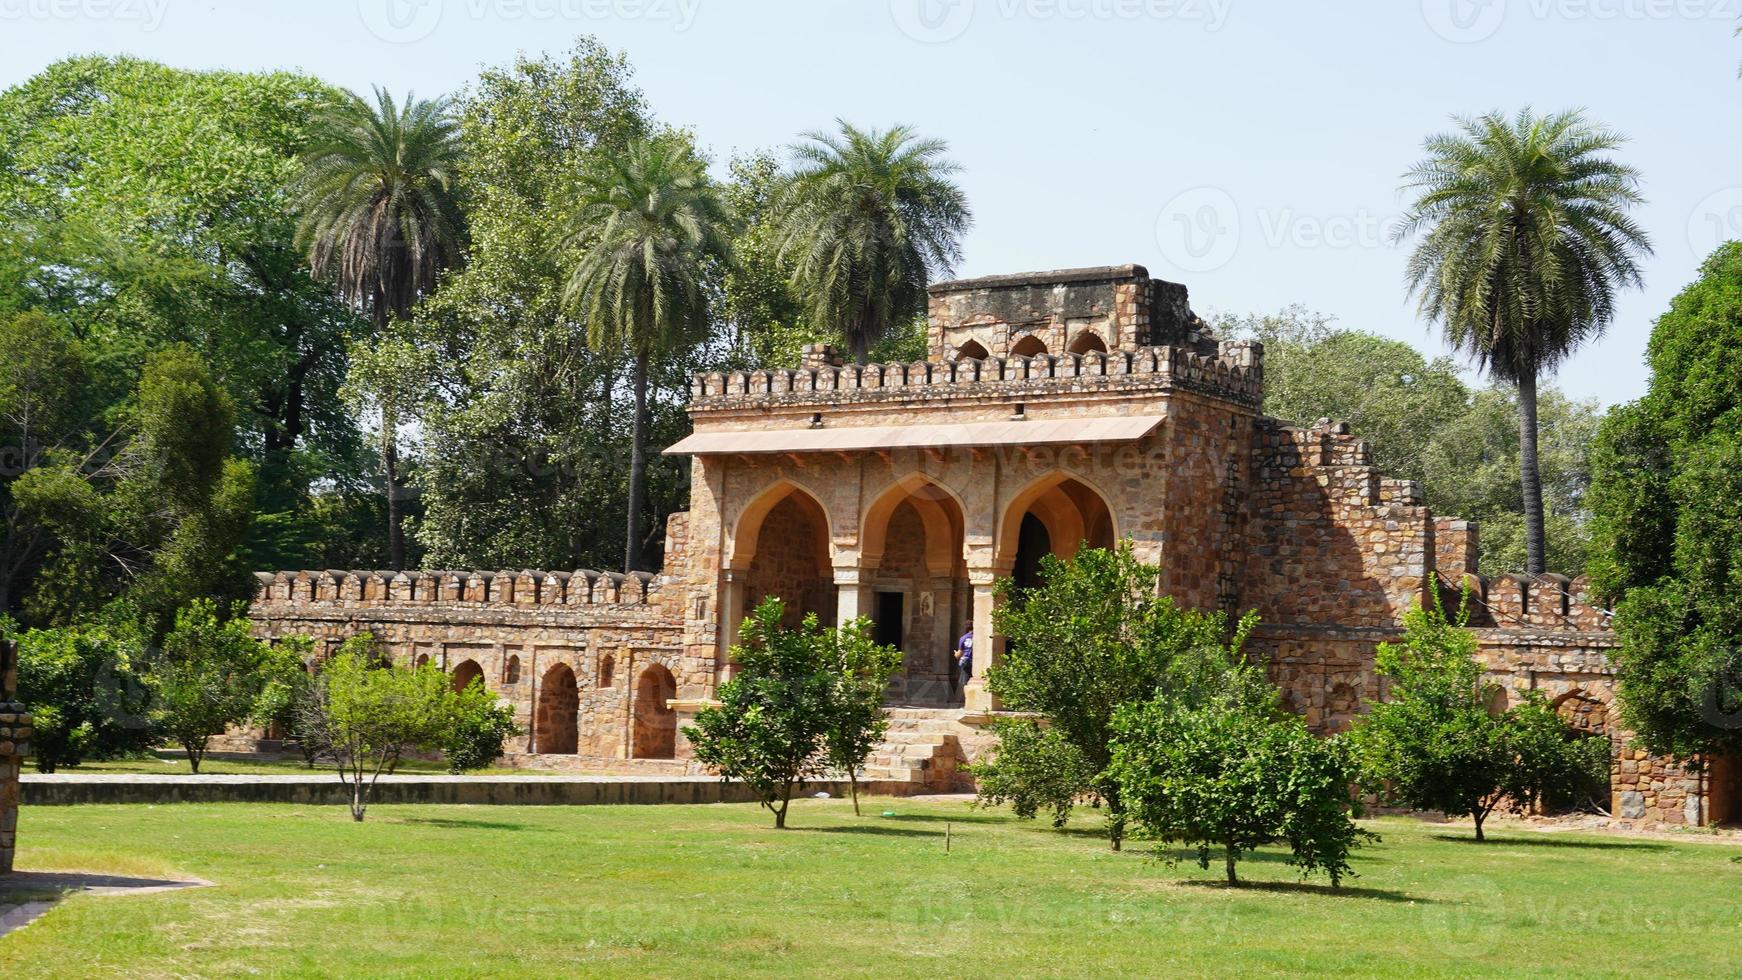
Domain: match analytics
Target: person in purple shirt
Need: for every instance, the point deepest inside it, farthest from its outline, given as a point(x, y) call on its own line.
point(965, 656)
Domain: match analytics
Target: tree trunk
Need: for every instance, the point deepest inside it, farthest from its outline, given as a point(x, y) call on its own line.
point(390, 471)
point(1228, 856)
point(637, 468)
point(1480, 816)
point(853, 785)
point(780, 814)
point(1115, 819)
point(195, 754)
point(1530, 476)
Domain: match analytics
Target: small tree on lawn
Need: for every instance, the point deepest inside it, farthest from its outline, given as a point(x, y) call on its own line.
point(1231, 771)
point(1093, 637)
point(857, 721)
point(214, 674)
point(1034, 768)
point(366, 714)
point(1438, 743)
point(769, 728)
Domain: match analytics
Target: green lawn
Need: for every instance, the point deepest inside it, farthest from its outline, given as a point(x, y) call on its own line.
point(176, 764)
point(713, 890)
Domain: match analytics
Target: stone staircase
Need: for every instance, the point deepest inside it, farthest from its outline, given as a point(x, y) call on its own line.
point(922, 752)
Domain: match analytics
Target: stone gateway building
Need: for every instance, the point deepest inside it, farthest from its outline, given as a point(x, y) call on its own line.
point(1056, 410)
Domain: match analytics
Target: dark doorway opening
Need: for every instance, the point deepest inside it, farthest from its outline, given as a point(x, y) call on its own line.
point(1032, 544)
point(891, 606)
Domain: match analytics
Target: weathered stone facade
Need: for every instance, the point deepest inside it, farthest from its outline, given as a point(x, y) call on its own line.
point(1055, 409)
point(15, 731)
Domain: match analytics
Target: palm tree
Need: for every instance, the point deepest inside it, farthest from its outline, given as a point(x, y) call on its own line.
point(866, 220)
point(645, 227)
point(1525, 239)
point(380, 219)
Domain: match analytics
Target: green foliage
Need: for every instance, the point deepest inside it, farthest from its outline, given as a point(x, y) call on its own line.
point(1231, 771)
point(856, 719)
point(364, 714)
point(213, 674)
point(1525, 239)
point(772, 724)
point(758, 305)
point(1034, 768)
point(83, 687)
point(1438, 742)
point(1093, 637)
point(479, 729)
point(1667, 500)
point(866, 219)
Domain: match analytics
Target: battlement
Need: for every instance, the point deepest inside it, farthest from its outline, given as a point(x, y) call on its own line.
point(1234, 373)
point(511, 589)
point(1519, 601)
point(1343, 462)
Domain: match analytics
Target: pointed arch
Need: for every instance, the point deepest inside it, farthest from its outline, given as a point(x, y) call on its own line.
point(1028, 346)
point(747, 530)
point(1087, 342)
point(558, 718)
point(973, 350)
point(1072, 510)
point(782, 546)
point(655, 721)
point(940, 511)
point(467, 672)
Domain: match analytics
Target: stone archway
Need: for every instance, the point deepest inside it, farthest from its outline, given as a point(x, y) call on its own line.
point(782, 548)
point(1029, 346)
point(559, 705)
point(1071, 514)
point(467, 672)
point(655, 722)
point(1087, 342)
point(916, 583)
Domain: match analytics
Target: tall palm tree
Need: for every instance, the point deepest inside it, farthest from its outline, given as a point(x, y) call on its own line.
point(1524, 240)
point(380, 219)
point(866, 219)
point(645, 227)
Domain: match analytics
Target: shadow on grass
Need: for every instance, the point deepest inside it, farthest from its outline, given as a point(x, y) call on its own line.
point(456, 824)
point(1592, 845)
point(1309, 888)
point(939, 818)
point(872, 831)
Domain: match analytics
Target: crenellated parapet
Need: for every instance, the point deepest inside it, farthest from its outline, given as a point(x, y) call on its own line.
point(1519, 601)
point(1235, 373)
point(525, 588)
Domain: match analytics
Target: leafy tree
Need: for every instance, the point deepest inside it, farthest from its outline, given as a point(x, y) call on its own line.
point(1232, 771)
point(381, 220)
point(212, 675)
point(867, 218)
point(147, 206)
point(365, 715)
point(1525, 237)
point(1094, 637)
point(83, 686)
point(856, 719)
point(758, 305)
point(1438, 742)
point(771, 726)
point(645, 226)
point(1033, 768)
point(1667, 500)
point(479, 729)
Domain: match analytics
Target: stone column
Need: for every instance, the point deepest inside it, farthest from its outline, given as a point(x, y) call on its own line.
point(988, 648)
point(731, 614)
point(14, 736)
point(852, 595)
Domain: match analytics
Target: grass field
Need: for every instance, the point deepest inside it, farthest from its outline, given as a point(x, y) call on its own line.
point(174, 764)
point(713, 890)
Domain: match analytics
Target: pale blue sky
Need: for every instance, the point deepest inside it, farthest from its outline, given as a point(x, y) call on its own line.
point(1248, 148)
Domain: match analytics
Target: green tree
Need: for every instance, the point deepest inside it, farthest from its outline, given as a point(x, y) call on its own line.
point(478, 730)
point(1667, 504)
point(211, 675)
point(381, 220)
point(1095, 636)
point(1232, 771)
point(770, 727)
point(1440, 742)
point(365, 715)
point(1525, 238)
point(644, 228)
point(758, 305)
point(1032, 768)
point(84, 690)
point(867, 219)
point(857, 721)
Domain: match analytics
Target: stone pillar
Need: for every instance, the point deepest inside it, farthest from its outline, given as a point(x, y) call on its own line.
point(14, 736)
point(731, 613)
point(987, 647)
point(852, 595)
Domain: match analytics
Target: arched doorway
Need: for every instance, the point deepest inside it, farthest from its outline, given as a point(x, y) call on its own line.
point(1587, 720)
point(1055, 514)
point(782, 548)
point(1029, 346)
point(655, 722)
point(911, 547)
point(1088, 342)
point(971, 351)
point(467, 672)
point(559, 705)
